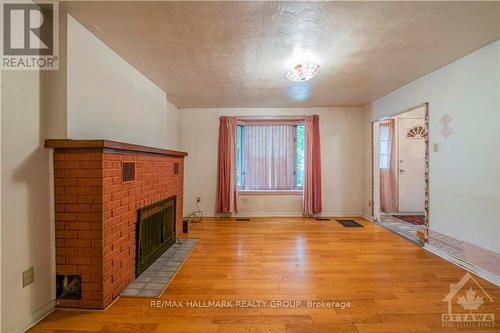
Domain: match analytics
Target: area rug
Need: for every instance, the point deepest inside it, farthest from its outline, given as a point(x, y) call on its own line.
point(156, 277)
point(414, 219)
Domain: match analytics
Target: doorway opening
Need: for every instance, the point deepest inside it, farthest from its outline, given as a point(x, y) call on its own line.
point(400, 173)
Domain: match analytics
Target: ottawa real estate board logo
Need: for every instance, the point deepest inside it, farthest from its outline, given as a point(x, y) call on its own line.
point(468, 303)
point(30, 33)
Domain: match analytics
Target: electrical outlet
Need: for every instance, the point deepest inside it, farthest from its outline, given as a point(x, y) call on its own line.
point(198, 199)
point(28, 277)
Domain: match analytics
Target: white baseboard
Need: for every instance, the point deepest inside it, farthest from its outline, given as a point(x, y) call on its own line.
point(403, 213)
point(367, 217)
point(33, 319)
point(244, 215)
point(273, 214)
point(341, 214)
point(287, 214)
point(488, 276)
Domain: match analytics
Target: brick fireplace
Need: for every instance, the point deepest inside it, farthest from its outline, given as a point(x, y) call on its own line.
point(99, 186)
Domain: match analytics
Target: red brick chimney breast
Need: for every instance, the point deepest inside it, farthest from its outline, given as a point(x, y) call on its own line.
point(96, 211)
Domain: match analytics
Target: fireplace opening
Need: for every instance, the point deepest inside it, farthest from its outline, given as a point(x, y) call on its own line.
point(155, 232)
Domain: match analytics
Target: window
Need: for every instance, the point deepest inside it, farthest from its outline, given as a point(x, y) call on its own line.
point(417, 132)
point(384, 148)
point(270, 157)
point(239, 172)
point(300, 155)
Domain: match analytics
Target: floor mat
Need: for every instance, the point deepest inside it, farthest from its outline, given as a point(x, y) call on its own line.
point(349, 223)
point(414, 219)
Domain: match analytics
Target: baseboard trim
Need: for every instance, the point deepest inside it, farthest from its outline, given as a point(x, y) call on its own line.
point(488, 276)
point(34, 318)
point(342, 214)
point(285, 214)
point(410, 213)
point(367, 217)
point(277, 214)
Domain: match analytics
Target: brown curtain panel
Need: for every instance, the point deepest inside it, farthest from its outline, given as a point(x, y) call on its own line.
point(388, 167)
point(312, 167)
point(227, 190)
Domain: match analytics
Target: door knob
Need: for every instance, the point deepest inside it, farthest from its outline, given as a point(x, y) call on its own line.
point(401, 171)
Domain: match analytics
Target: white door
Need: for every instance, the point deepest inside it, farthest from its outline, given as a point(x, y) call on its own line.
point(411, 165)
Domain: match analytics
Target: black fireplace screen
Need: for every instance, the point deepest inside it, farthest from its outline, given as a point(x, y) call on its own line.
point(155, 232)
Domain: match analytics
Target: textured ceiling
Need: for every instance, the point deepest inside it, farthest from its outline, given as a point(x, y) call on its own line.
point(233, 54)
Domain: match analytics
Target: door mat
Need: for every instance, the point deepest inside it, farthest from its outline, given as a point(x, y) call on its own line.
point(350, 223)
point(413, 219)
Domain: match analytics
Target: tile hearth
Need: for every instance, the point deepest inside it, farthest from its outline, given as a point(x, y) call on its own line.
point(156, 277)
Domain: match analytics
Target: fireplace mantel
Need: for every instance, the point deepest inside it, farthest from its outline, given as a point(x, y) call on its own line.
point(109, 145)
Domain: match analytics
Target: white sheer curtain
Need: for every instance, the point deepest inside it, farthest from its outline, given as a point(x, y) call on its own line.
point(269, 157)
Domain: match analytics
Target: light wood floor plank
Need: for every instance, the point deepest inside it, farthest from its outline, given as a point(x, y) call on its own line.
point(392, 285)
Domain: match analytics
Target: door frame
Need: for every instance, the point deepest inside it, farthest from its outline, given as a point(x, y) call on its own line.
point(376, 210)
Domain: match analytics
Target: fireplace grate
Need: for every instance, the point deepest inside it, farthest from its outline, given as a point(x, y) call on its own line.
point(155, 232)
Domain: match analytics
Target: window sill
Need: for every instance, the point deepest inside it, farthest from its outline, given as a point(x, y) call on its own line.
point(277, 192)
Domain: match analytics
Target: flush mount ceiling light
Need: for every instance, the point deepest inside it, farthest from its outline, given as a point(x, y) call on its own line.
point(303, 71)
point(302, 66)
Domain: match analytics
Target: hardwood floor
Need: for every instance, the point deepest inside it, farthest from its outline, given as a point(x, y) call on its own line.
point(391, 284)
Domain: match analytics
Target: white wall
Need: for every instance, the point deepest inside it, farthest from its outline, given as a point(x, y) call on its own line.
point(270, 205)
point(26, 229)
point(464, 174)
point(100, 97)
point(1, 245)
point(418, 113)
point(173, 136)
point(367, 164)
point(54, 89)
point(110, 99)
point(342, 161)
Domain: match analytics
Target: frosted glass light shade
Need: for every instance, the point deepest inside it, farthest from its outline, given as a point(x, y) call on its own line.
point(303, 71)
